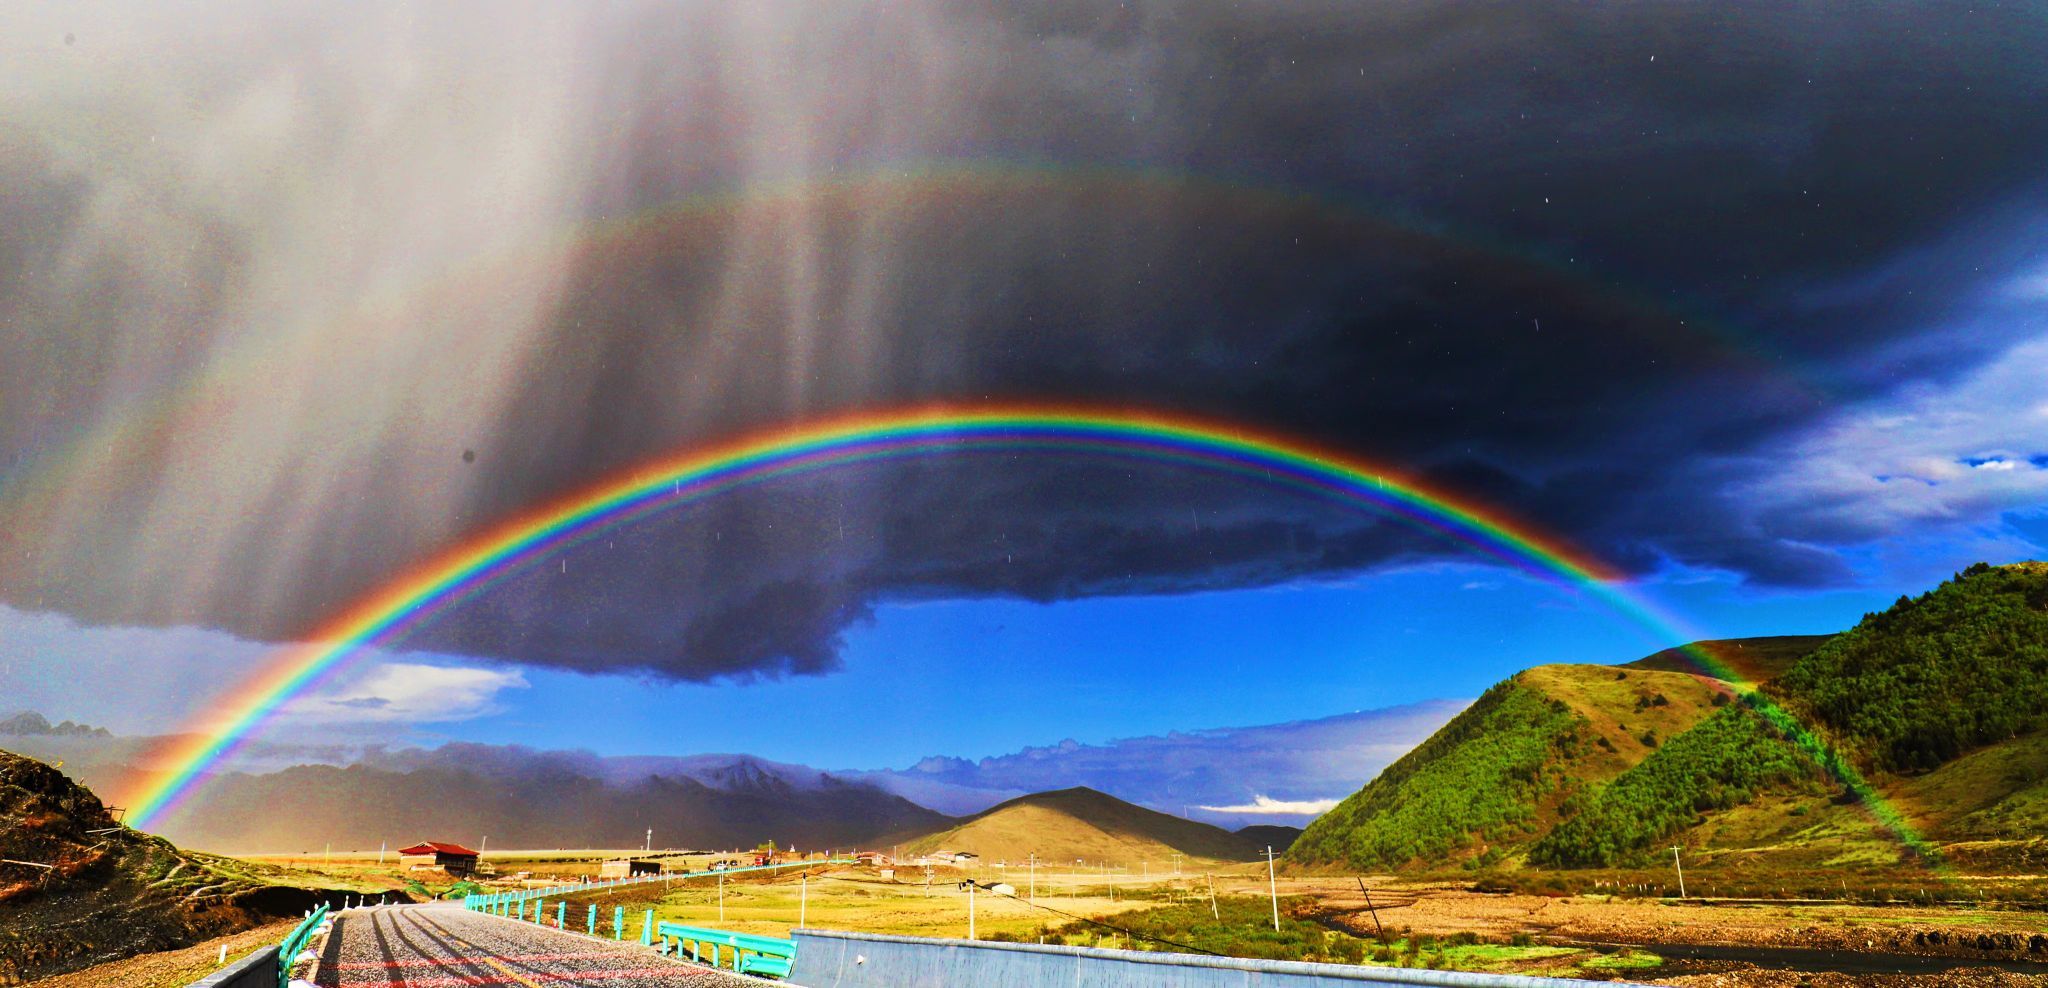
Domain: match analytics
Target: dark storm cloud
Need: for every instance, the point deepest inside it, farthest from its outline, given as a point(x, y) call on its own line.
point(1550, 255)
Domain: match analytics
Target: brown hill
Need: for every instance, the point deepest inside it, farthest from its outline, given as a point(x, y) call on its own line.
point(1081, 823)
point(77, 888)
point(1754, 659)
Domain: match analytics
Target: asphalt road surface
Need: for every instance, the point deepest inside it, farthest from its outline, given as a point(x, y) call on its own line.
point(437, 946)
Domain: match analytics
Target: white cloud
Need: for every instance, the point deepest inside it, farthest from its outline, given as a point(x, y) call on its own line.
point(1267, 805)
point(411, 693)
point(1930, 459)
point(2030, 286)
point(139, 681)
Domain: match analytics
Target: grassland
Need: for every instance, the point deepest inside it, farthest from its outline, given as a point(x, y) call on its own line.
point(1596, 933)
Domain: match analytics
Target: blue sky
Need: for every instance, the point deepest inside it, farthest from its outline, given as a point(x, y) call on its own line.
point(977, 678)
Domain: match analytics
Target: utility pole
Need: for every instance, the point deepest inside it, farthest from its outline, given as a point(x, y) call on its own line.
point(1176, 862)
point(1681, 871)
point(650, 841)
point(970, 910)
point(381, 845)
point(1369, 906)
point(803, 902)
point(485, 846)
point(1034, 877)
point(1273, 885)
point(721, 896)
point(1213, 913)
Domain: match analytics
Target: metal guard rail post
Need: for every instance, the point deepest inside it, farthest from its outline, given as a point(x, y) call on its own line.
point(295, 942)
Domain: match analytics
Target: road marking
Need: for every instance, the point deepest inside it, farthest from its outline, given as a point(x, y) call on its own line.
point(444, 961)
point(508, 972)
point(626, 973)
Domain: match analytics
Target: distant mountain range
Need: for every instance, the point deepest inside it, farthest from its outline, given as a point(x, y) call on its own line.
point(536, 805)
point(1218, 775)
point(28, 723)
point(1228, 775)
point(1922, 731)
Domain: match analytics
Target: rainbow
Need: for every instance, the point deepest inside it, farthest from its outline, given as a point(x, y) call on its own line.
point(478, 563)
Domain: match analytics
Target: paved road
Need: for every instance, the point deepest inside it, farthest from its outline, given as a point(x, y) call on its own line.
point(437, 946)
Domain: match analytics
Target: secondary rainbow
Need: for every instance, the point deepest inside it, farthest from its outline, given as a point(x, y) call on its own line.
point(445, 580)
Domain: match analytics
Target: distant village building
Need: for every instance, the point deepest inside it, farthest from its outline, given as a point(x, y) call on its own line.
point(628, 868)
point(452, 858)
point(876, 858)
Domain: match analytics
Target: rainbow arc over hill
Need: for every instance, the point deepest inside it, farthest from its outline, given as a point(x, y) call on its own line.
point(472, 566)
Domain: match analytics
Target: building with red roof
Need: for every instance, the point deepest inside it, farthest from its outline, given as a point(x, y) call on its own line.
point(452, 858)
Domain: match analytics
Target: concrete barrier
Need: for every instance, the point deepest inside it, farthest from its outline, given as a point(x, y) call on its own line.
point(258, 970)
point(834, 959)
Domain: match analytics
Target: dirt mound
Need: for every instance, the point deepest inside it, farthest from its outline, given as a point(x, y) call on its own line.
point(77, 888)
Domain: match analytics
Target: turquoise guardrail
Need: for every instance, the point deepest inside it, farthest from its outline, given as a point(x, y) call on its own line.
point(748, 953)
point(295, 942)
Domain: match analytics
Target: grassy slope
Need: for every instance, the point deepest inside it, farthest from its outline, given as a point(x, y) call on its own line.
point(1495, 776)
point(1081, 823)
point(1722, 763)
point(1996, 792)
point(1752, 659)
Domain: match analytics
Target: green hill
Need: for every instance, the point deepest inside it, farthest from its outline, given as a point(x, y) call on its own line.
point(1496, 776)
point(1901, 698)
point(1933, 713)
point(1081, 823)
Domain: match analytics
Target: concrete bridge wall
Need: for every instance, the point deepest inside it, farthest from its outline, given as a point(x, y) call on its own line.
point(834, 959)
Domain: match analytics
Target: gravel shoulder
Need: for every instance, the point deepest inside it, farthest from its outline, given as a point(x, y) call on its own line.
point(438, 946)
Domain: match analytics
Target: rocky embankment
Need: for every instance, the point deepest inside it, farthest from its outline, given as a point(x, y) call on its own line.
point(77, 888)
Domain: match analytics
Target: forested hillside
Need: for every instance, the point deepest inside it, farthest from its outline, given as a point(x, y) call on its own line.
point(1957, 668)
